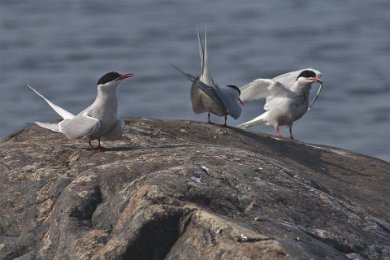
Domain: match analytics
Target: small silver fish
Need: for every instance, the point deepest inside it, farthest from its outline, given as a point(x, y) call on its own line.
point(315, 98)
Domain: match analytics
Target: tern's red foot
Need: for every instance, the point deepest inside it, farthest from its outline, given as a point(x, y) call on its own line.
point(278, 132)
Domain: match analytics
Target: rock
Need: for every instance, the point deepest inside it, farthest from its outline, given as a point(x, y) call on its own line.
point(189, 190)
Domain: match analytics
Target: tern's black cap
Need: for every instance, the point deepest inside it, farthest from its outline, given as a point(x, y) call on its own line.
point(234, 87)
point(307, 74)
point(110, 76)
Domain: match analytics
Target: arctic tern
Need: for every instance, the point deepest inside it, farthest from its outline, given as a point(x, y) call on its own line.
point(98, 121)
point(206, 96)
point(287, 98)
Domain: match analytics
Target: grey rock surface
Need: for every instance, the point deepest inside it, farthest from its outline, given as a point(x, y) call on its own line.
point(189, 190)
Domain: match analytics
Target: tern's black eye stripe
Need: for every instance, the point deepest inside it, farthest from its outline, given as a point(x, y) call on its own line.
point(110, 76)
point(307, 74)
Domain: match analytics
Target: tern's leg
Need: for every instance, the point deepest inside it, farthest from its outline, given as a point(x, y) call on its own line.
point(278, 132)
point(225, 121)
point(208, 114)
point(99, 147)
point(96, 148)
point(90, 144)
point(290, 130)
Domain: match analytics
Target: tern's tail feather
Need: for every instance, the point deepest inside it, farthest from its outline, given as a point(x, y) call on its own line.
point(62, 112)
point(205, 76)
point(256, 121)
point(51, 126)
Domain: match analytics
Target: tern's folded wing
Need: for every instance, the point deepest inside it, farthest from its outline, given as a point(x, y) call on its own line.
point(79, 127)
point(261, 88)
point(230, 98)
point(116, 131)
point(209, 91)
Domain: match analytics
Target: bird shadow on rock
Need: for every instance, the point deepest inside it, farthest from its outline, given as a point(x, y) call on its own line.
point(134, 148)
point(290, 149)
point(120, 149)
point(319, 160)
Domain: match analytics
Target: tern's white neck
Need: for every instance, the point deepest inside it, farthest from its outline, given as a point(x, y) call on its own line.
point(106, 92)
point(105, 106)
point(302, 91)
point(106, 98)
point(300, 88)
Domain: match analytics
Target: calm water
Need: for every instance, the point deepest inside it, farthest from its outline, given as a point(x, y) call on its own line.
point(63, 47)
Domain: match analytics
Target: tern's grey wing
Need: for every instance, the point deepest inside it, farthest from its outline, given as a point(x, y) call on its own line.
point(79, 127)
point(209, 91)
point(261, 88)
point(229, 97)
point(289, 78)
point(116, 131)
point(185, 74)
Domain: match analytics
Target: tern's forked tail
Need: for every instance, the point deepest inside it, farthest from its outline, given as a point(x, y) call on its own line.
point(59, 110)
point(205, 76)
point(51, 126)
point(256, 121)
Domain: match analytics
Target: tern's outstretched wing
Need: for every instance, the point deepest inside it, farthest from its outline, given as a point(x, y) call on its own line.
point(62, 112)
point(288, 79)
point(79, 127)
point(261, 88)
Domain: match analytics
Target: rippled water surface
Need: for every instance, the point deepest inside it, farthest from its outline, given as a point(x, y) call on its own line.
point(63, 47)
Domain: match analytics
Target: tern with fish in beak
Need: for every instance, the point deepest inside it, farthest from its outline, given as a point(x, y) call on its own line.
point(287, 98)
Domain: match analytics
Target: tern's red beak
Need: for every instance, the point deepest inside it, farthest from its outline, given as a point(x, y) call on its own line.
point(125, 76)
point(316, 79)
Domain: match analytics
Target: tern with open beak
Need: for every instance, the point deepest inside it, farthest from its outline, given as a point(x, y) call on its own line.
point(206, 96)
point(287, 98)
point(99, 120)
